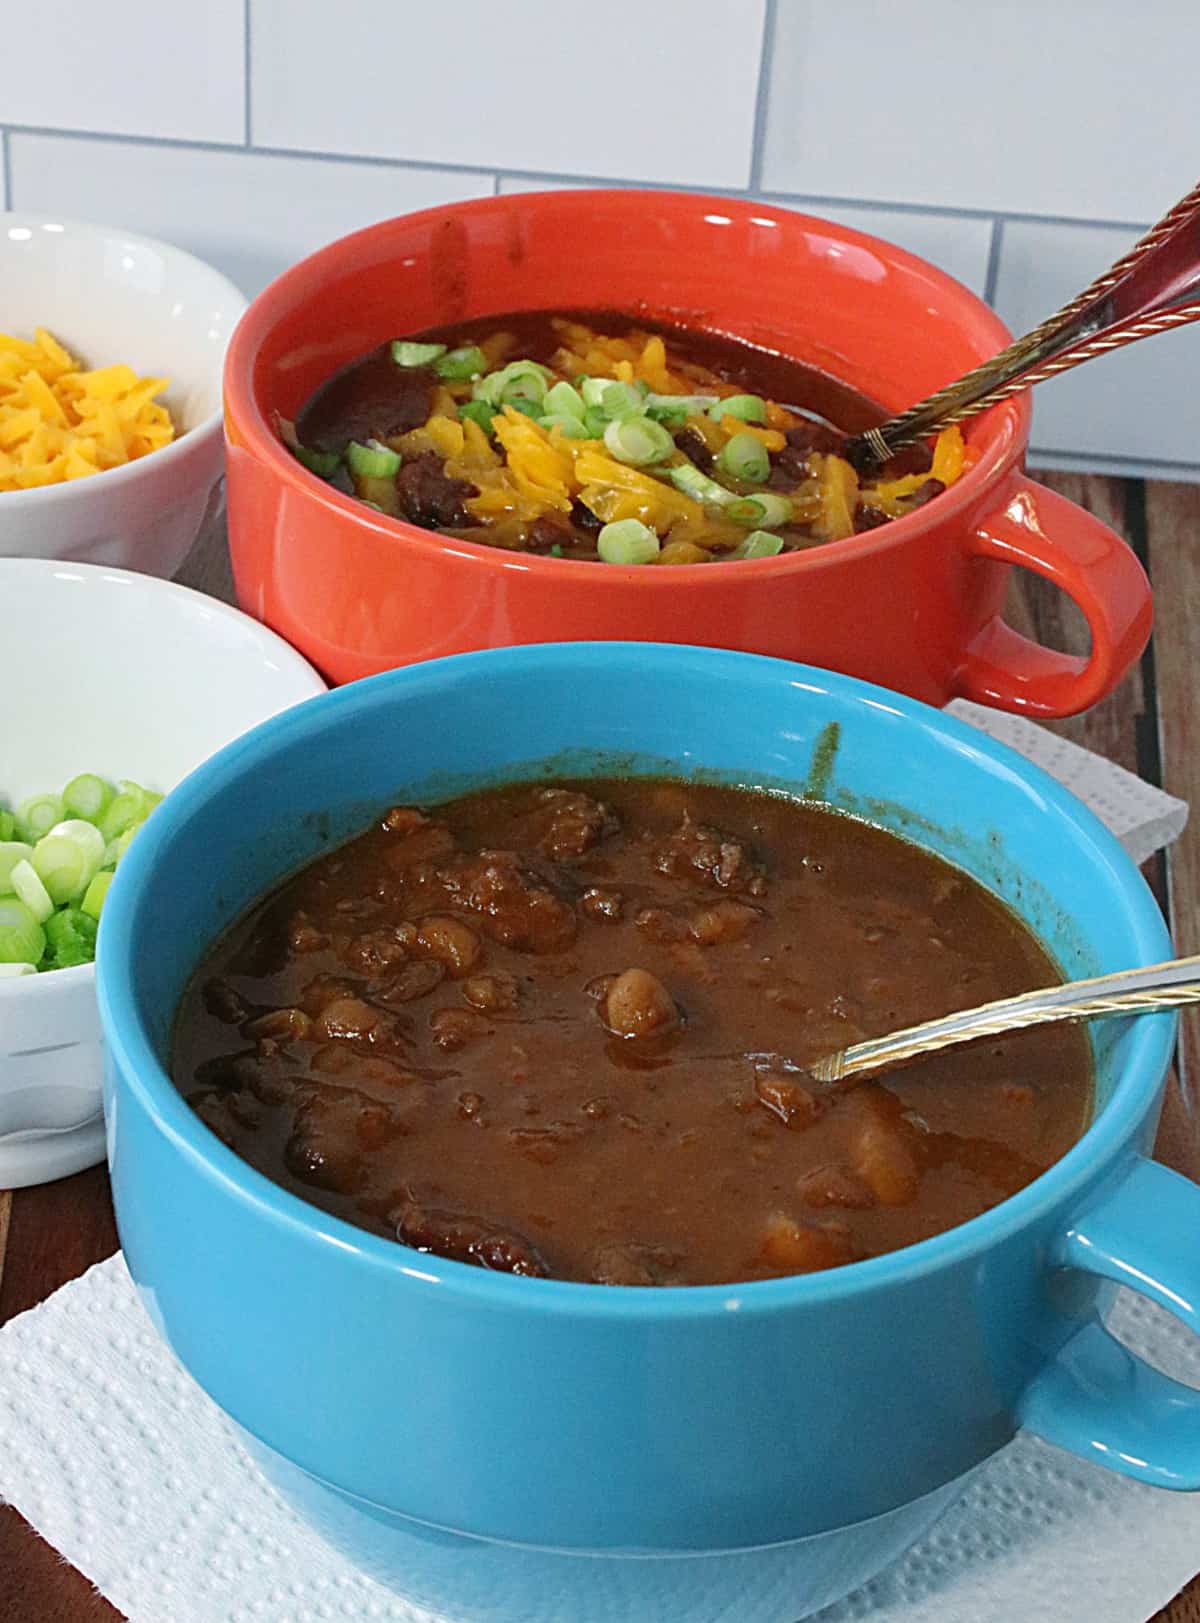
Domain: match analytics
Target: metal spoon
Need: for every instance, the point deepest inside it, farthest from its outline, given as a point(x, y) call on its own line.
point(1130, 991)
point(1144, 293)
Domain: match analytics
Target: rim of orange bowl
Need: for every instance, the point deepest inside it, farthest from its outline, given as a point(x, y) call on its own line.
point(1006, 425)
point(79, 489)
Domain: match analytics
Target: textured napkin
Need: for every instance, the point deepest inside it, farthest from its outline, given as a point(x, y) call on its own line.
point(119, 1460)
point(1143, 818)
point(127, 1468)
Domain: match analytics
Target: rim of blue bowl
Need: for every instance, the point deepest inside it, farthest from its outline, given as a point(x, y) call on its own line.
point(134, 1054)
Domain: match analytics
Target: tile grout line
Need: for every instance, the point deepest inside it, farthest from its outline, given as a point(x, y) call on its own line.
point(759, 128)
point(992, 274)
point(436, 166)
point(248, 138)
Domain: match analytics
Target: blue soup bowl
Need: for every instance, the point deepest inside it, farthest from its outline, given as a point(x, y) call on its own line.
point(512, 1450)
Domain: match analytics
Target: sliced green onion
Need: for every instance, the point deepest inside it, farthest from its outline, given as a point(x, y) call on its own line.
point(699, 486)
point(527, 408)
point(37, 816)
point(744, 456)
point(407, 353)
point(67, 857)
point(372, 460)
point(556, 551)
point(116, 849)
point(572, 428)
point(133, 805)
point(766, 510)
point(519, 380)
point(93, 896)
point(71, 937)
point(592, 390)
point(322, 463)
point(621, 400)
point(628, 541)
point(11, 852)
point(595, 422)
point(747, 408)
point(22, 939)
point(758, 544)
point(9, 971)
point(87, 796)
point(478, 411)
point(638, 441)
point(460, 364)
point(8, 825)
point(30, 891)
point(676, 408)
point(565, 401)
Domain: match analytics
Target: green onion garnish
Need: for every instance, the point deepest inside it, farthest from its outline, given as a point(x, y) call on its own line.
point(564, 401)
point(37, 816)
point(556, 551)
point(460, 364)
point(628, 541)
point(676, 408)
point(406, 353)
point(478, 411)
point(595, 422)
point(747, 408)
point(758, 544)
point(745, 457)
point(527, 408)
point(22, 939)
point(372, 460)
point(699, 486)
point(519, 380)
point(322, 463)
point(52, 888)
point(638, 441)
point(621, 400)
point(8, 825)
point(87, 796)
point(765, 510)
point(572, 428)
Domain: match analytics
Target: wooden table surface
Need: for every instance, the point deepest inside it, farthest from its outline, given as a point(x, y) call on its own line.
point(50, 1235)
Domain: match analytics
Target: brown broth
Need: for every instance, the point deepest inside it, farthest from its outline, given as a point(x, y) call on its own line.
point(456, 1084)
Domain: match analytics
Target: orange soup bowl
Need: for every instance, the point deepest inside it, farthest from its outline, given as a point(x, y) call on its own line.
point(916, 605)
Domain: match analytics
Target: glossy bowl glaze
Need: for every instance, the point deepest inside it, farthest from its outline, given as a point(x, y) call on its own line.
point(916, 605)
point(128, 677)
point(114, 297)
point(531, 1451)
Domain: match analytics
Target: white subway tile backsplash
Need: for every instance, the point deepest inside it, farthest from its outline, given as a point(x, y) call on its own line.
point(1140, 404)
point(247, 213)
point(663, 91)
point(1022, 106)
point(959, 244)
point(127, 68)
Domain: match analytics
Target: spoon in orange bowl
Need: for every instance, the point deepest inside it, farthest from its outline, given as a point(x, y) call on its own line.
point(1129, 991)
point(1154, 287)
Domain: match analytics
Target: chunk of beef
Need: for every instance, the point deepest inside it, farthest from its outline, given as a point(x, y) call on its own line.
point(429, 497)
point(696, 852)
point(635, 1264)
point(565, 823)
point(513, 907)
point(467, 1239)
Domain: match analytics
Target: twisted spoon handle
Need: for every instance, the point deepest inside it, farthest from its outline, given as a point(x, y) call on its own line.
point(1131, 991)
point(1135, 298)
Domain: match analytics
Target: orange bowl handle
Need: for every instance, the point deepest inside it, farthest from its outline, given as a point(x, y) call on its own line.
point(1040, 530)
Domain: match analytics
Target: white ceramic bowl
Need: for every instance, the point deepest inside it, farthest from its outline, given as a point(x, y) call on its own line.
point(111, 297)
point(128, 677)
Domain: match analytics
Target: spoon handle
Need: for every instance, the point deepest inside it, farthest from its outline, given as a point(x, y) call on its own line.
point(1131, 991)
point(1138, 296)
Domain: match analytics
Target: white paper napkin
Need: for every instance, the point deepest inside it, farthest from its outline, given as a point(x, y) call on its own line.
point(119, 1460)
point(1143, 818)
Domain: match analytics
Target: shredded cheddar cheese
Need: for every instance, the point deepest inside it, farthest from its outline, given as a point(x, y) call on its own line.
point(59, 422)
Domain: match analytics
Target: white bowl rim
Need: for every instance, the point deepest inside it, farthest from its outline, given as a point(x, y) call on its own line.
point(24, 985)
point(77, 488)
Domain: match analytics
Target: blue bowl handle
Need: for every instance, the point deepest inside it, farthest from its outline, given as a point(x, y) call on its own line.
point(1097, 1399)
